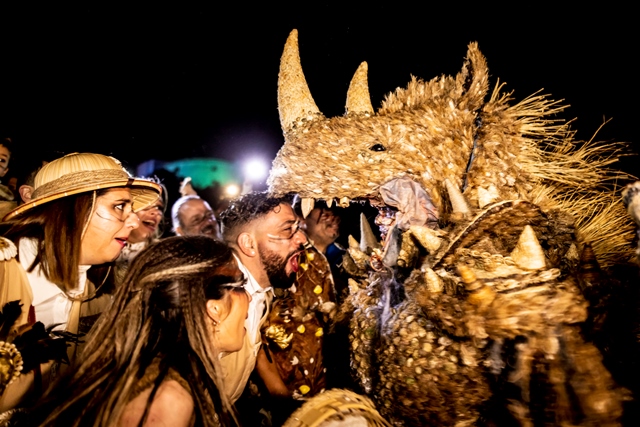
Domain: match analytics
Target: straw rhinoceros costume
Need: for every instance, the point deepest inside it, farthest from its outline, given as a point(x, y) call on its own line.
point(492, 223)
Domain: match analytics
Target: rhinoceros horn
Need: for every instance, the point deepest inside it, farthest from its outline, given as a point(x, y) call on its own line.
point(358, 98)
point(294, 97)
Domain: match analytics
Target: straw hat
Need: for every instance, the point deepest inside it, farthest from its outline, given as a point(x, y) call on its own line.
point(83, 172)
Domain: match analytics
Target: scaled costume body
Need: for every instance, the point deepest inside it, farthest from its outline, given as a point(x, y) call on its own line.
point(492, 220)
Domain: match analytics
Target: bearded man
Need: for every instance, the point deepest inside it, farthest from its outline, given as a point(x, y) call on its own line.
point(266, 239)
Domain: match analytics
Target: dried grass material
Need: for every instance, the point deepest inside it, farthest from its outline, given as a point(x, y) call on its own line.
point(429, 130)
point(334, 408)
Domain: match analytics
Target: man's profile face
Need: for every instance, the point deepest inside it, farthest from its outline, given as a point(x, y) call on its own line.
point(5, 156)
point(197, 218)
point(322, 226)
point(279, 245)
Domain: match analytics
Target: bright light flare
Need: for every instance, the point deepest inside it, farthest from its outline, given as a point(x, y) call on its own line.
point(255, 170)
point(232, 190)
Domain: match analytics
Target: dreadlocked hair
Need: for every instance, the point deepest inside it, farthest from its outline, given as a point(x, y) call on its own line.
point(158, 313)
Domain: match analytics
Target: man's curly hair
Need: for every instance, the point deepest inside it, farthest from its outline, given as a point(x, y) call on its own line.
point(248, 208)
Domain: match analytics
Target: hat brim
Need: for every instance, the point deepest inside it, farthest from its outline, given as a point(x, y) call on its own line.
point(143, 193)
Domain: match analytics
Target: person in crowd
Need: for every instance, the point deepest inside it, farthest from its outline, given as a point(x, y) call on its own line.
point(7, 197)
point(192, 215)
point(152, 358)
point(80, 216)
point(266, 239)
point(322, 226)
point(151, 220)
point(301, 316)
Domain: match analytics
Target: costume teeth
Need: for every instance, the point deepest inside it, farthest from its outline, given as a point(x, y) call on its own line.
point(307, 205)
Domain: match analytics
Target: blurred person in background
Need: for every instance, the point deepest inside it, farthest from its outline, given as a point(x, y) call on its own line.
point(192, 215)
point(150, 230)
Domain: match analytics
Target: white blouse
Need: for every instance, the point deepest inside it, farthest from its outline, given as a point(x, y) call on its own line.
point(51, 304)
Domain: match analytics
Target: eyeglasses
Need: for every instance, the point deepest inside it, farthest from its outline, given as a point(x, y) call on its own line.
point(287, 233)
point(207, 217)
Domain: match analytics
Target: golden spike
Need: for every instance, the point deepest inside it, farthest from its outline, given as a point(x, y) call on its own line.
point(468, 277)
point(458, 202)
point(294, 97)
point(434, 282)
point(368, 240)
point(480, 294)
point(359, 258)
point(358, 98)
point(487, 196)
point(528, 253)
point(427, 237)
point(307, 205)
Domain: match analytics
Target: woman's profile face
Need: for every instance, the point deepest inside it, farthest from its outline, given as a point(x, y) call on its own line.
point(109, 227)
point(230, 331)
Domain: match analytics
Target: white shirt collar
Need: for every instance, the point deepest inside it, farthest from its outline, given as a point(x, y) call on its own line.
point(252, 284)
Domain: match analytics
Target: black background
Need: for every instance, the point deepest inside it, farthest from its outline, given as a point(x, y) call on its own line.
point(176, 81)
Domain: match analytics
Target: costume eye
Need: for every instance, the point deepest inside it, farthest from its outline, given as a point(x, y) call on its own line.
point(377, 147)
point(119, 207)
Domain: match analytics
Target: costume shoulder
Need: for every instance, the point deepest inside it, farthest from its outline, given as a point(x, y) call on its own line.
point(14, 284)
point(8, 249)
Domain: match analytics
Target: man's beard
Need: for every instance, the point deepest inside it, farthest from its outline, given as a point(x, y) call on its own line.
point(276, 268)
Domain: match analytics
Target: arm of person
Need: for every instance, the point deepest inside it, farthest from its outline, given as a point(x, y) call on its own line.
point(270, 375)
point(172, 406)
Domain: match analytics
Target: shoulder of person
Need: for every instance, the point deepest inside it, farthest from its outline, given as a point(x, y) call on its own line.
point(171, 406)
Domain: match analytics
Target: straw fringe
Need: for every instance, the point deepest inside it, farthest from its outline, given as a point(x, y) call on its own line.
point(575, 176)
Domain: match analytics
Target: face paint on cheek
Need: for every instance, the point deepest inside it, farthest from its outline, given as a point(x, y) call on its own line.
point(104, 213)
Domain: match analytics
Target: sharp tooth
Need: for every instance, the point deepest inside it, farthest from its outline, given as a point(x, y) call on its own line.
point(368, 240)
point(458, 202)
point(528, 253)
point(330, 202)
point(344, 202)
point(307, 205)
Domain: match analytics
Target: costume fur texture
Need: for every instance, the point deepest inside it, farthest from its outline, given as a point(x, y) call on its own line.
point(474, 300)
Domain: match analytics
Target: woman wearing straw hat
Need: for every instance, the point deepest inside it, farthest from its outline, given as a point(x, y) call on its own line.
point(80, 215)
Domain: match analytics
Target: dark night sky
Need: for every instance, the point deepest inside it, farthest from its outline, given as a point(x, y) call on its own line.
point(169, 82)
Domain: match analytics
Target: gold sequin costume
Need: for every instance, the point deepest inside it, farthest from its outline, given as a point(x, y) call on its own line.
point(297, 323)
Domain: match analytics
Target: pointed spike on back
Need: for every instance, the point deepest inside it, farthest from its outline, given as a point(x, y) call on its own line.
point(368, 240)
point(528, 253)
point(434, 282)
point(358, 98)
point(459, 204)
point(294, 97)
point(307, 205)
point(427, 237)
point(353, 243)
